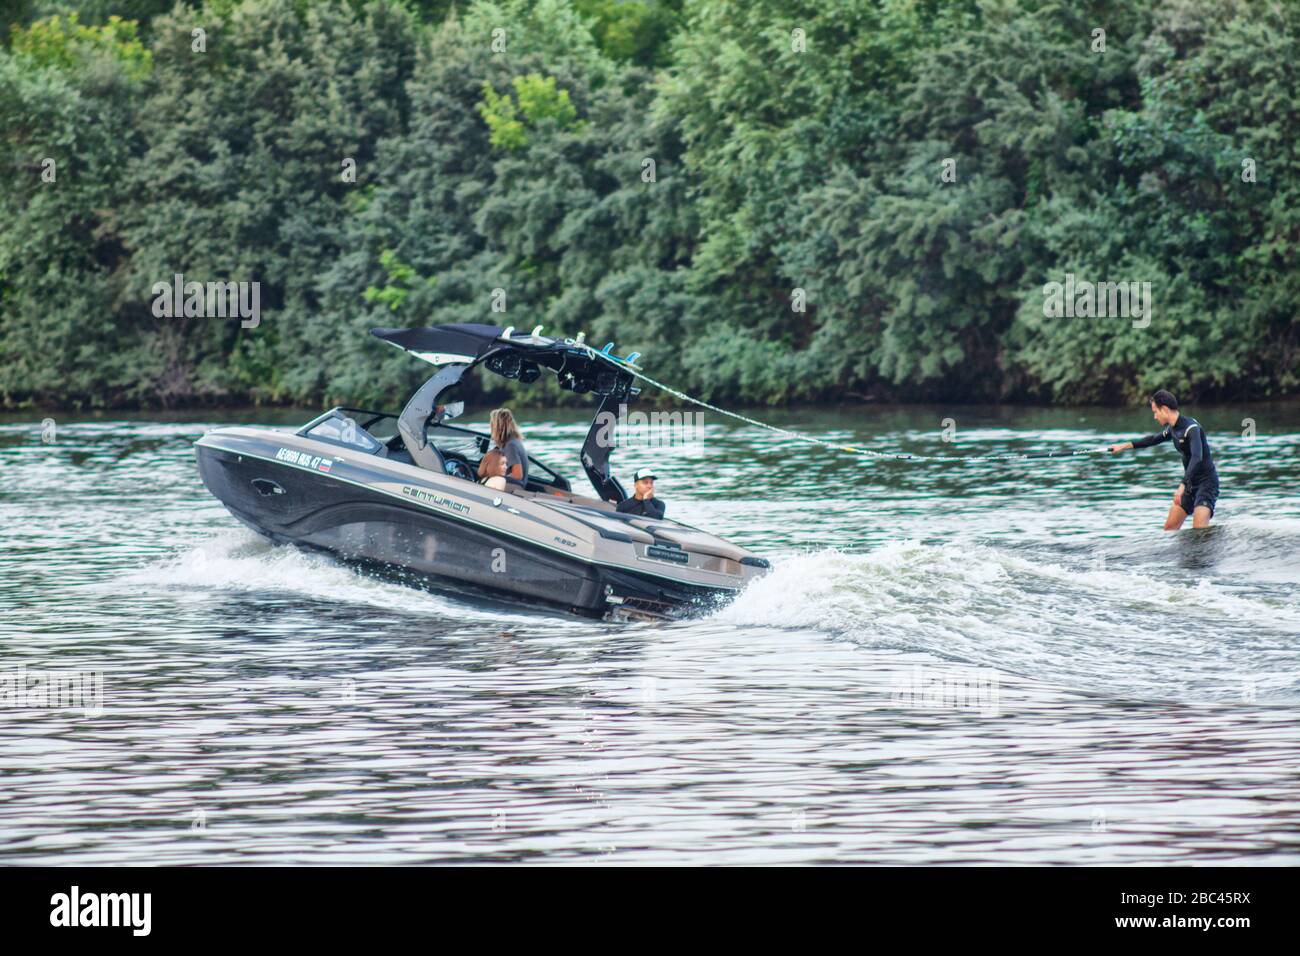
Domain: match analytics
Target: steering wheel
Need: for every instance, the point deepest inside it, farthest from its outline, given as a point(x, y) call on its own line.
point(458, 469)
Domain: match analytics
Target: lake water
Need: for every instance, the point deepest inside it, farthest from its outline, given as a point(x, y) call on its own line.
point(954, 662)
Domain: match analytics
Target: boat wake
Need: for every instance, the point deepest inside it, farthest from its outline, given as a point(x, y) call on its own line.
point(241, 561)
point(1095, 625)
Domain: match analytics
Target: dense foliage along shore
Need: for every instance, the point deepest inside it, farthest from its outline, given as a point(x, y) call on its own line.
point(774, 201)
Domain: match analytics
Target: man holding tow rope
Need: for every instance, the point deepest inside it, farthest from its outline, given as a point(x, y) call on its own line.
point(1200, 487)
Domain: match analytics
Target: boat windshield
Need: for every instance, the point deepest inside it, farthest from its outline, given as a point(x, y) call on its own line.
point(342, 430)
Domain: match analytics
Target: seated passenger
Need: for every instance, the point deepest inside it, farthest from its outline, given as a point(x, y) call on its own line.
point(492, 470)
point(643, 502)
point(507, 439)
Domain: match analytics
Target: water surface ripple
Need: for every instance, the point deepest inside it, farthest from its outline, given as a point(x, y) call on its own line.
point(951, 663)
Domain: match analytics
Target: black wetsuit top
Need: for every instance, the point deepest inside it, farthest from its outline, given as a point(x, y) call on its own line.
point(1189, 438)
point(646, 507)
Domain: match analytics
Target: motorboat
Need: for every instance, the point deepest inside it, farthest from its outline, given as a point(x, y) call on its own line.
point(399, 492)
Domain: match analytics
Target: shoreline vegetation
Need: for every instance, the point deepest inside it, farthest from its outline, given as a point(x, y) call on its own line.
point(778, 203)
point(1284, 409)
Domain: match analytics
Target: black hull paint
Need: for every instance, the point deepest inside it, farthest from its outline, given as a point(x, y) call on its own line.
point(367, 527)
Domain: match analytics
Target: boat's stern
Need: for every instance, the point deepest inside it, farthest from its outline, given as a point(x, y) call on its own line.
point(658, 568)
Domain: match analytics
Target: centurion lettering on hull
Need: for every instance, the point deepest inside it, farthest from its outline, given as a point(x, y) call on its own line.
point(429, 497)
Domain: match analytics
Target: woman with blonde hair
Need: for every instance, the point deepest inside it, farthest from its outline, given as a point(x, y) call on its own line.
point(508, 444)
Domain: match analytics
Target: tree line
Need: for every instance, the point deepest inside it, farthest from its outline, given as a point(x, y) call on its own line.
point(774, 201)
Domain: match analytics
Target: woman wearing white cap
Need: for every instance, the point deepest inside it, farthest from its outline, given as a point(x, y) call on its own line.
point(643, 502)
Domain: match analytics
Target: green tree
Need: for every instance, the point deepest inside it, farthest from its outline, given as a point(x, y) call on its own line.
point(66, 135)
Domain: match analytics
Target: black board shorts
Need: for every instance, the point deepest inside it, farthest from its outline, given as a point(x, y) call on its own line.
point(1204, 494)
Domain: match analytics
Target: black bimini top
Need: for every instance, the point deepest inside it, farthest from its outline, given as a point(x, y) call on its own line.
point(467, 342)
point(522, 356)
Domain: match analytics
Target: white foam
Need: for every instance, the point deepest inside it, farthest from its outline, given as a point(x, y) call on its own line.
point(239, 560)
point(835, 591)
point(1109, 630)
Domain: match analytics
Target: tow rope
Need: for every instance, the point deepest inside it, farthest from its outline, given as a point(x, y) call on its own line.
point(810, 439)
